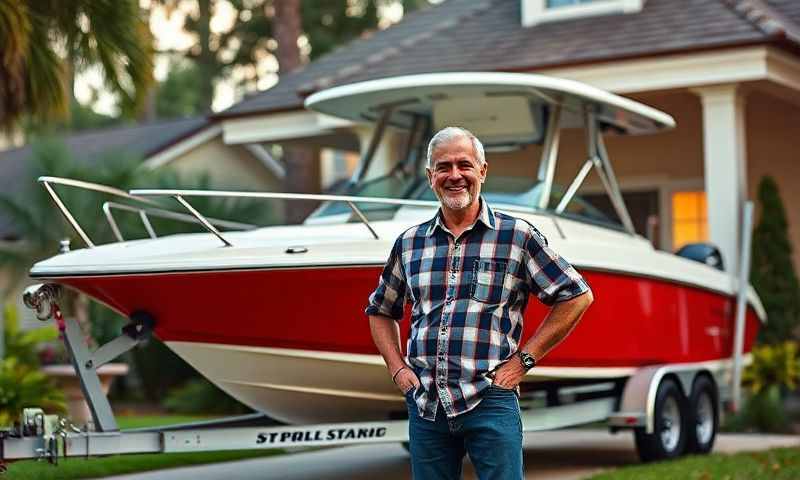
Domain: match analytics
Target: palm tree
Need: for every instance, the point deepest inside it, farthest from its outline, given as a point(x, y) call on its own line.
point(44, 43)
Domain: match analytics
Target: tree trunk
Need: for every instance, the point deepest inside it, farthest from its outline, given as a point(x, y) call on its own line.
point(302, 163)
point(206, 61)
point(148, 113)
point(288, 28)
point(302, 176)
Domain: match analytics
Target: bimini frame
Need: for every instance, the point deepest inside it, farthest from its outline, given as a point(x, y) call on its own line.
point(417, 95)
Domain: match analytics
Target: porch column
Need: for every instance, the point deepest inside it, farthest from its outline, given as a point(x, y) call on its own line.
point(725, 167)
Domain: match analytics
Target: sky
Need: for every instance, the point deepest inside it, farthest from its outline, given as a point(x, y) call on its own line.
point(169, 36)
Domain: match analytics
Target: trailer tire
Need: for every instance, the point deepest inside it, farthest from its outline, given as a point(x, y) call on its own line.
point(704, 415)
point(669, 438)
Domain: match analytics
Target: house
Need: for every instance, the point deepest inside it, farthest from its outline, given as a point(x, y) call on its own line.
point(728, 71)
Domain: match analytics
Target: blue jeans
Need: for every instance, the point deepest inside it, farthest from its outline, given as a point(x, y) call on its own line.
point(491, 434)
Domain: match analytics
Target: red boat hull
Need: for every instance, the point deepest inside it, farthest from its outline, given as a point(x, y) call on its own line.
point(634, 320)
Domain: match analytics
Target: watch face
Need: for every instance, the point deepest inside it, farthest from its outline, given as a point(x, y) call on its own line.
point(527, 360)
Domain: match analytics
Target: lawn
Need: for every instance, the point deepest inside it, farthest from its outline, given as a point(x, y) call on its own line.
point(140, 421)
point(75, 468)
point(775, 464)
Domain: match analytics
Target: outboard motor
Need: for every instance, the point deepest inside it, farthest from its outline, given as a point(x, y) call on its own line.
point(704, 253)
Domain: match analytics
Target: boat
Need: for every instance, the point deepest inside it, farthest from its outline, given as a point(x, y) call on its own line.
point(274, 315)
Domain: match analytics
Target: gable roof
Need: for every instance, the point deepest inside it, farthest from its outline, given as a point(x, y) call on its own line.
point(487, 35)
point(143, 140)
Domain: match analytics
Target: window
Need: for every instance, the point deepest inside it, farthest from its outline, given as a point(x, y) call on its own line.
point(689, 218)
point(541, 11)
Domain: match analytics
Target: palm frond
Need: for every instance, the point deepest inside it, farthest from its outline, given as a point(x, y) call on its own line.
point(38, 38)
point(15, 30)
point(45, 87)
point(120, 41)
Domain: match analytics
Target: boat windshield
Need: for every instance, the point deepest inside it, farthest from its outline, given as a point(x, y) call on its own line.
point(506, 191)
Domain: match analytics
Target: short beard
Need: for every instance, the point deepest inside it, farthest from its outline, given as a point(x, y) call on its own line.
point(459, 203)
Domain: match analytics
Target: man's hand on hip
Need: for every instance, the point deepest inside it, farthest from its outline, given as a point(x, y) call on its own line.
point(406, 379)
point(509, 374)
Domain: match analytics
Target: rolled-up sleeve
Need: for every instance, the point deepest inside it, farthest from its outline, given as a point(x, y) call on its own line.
point(549, 276)
point(389, 297)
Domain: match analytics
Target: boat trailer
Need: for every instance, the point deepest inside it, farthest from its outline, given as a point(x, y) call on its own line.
point(625, 403)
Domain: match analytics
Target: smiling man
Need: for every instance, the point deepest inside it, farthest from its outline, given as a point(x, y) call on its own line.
point(468, 273)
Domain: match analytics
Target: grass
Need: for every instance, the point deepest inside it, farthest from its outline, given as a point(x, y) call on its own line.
point(97, 467)
point(157, 420)
point(75, 468)
point(775, 464)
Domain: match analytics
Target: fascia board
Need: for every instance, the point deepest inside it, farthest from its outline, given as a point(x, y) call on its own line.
point(783, 69)
point(674, 71)
point(280, 126)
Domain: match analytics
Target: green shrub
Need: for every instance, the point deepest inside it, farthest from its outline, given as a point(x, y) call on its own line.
point(761, 412)
point(773, 365)
point(23, 345)
point(22, 384)
point(773, 275)
point(774, 371)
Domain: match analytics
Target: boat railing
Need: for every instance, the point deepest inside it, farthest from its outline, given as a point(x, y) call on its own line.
point(180, 197)
point(146, 213)
point(153, 209)
point(212, 225)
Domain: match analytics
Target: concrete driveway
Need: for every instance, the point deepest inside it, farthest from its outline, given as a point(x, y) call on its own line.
point(558, 455)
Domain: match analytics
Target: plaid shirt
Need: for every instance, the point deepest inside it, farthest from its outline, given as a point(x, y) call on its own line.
point(468, 296)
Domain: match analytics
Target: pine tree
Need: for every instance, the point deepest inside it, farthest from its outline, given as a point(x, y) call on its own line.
point(772, 273)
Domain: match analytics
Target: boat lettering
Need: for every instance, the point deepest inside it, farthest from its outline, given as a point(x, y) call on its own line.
point(320, 435)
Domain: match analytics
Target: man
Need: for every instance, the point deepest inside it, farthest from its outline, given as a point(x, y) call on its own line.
point(468, 273)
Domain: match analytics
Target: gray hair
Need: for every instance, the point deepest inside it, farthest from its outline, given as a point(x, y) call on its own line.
point(449, 134)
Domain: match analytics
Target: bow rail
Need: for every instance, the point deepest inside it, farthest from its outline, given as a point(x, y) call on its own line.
point(351, 201)
point(212, 225)
point(153, 209)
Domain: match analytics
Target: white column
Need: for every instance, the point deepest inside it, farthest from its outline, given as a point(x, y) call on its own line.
point(725, 167)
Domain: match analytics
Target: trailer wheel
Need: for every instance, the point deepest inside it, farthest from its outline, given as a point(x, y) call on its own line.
point(704, 415)
point(670, 435)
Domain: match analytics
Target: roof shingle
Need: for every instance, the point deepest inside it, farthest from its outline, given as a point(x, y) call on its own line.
point(488, 35)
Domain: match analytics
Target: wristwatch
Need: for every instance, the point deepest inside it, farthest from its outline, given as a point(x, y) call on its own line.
point(527, 360)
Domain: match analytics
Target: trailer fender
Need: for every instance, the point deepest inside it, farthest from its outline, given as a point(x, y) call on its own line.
point(637, 408)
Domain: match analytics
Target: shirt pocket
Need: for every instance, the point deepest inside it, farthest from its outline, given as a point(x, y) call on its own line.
point(488, 278)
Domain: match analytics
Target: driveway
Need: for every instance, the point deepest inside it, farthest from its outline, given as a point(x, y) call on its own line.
point(557, 455)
